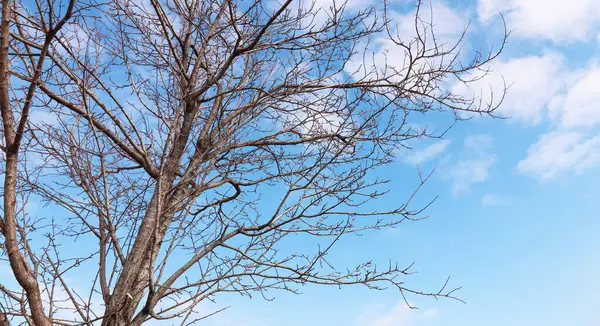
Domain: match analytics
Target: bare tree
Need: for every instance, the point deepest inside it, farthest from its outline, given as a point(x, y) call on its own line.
point(182, 147)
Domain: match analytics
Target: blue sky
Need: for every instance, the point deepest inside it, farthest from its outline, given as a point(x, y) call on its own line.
point(516, 222)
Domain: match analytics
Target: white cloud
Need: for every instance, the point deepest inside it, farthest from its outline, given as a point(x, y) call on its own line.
point(43, 117)
point(581, 106)
point(79, 39)
point(557, 152)
point(327, 4)
point(431, 313)
point(467, 172)
point(398, 315)
point(472, 166)
point(575, 110)
point(534, 81)
point(493, 200)
point(489, 9)
point(479, 143)
point(314, 116)
point(320, 10)
point(384, 55)
point(446, 21)
point(557, 20)
point(429, 153)
point(544, 89)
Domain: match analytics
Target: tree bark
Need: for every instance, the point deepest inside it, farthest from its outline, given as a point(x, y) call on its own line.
point(18, 263)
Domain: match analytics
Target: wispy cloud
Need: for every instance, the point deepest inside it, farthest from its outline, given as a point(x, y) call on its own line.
point(533, 81)
point(398, 315)
point(471, 165)
point(580, 106)
point(556, 20)
point(494, 200)
point(431, 313)
point(557, 152)
point(467, 172)
point(429, 153)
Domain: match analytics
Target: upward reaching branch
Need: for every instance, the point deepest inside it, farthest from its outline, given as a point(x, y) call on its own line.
point(182, 143)
point(23, 273)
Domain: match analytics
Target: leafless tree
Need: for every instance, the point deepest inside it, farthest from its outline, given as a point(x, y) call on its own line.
point(183, 148)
